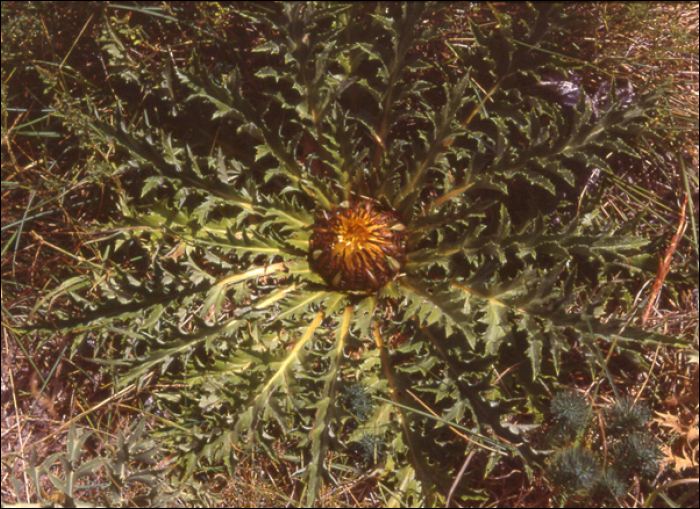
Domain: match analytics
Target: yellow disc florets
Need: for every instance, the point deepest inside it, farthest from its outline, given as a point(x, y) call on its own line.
point(358, 247)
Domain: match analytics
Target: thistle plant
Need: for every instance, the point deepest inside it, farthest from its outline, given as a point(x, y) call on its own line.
point(336, 207)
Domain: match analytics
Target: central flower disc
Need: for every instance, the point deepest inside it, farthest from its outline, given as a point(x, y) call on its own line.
point(358, 247)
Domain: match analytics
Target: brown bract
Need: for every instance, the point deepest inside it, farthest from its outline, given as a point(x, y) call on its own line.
point(358, 247)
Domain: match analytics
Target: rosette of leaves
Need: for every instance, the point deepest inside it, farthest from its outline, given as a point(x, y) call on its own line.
point(336, 206)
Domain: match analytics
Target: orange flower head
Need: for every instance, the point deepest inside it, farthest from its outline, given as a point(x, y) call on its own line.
point(359, 247)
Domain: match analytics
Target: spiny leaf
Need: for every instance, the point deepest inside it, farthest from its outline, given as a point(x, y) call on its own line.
point(442, 306)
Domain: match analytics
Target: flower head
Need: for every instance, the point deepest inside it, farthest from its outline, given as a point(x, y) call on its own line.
point(359, 246)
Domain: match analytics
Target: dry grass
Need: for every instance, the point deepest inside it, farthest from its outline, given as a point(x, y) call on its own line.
point(49, 203)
